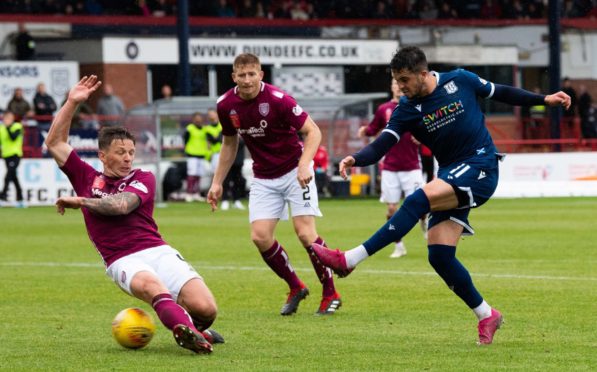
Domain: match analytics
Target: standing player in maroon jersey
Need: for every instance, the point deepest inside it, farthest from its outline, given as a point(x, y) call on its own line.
point(401, 168)
point(117, 206)
point(268, 120)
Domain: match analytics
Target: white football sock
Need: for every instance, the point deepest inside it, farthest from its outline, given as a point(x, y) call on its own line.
point(355, 255)
point(482, 311)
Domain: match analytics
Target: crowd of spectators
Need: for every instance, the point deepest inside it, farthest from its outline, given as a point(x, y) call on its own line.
point(310, 9)
point(40, 114)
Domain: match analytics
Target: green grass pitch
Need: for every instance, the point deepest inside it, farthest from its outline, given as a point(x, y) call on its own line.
point(534, 259)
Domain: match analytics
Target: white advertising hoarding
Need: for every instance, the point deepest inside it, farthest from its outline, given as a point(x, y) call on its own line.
point(57, 76)
point(270, 51)
point(42, 181)
point(521, 175)
point(549, 174)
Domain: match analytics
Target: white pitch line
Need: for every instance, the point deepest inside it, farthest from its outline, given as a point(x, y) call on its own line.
point(52, 264)
point(263, 268)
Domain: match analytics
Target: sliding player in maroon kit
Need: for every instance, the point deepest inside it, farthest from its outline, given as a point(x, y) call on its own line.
point(117, 206)
point(269, 121)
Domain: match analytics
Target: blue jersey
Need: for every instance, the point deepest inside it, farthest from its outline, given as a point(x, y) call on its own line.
point(449, 120)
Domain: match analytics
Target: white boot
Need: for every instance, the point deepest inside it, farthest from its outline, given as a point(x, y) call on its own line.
point(225, 205)
point(239, 205)
point(399, 250)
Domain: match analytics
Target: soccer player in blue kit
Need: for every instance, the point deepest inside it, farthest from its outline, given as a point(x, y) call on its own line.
point(441, 111)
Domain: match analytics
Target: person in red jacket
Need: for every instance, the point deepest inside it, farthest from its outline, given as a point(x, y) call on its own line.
point(321, 162)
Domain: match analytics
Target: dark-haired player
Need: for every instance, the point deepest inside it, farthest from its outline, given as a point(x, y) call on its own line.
point(117, 206)
point(268, 120)
point(441, 111)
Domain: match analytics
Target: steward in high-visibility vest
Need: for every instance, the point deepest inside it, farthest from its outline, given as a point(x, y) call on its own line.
point(214, 131)
point(537, 111)
point(198, 153)
point(538, 117)
point(196, 143)
point(11, 137)
point(11, 141)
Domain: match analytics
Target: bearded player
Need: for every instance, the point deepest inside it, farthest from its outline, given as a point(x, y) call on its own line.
point(441, 110)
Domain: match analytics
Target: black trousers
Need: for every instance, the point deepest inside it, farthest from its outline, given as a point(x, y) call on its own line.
point(234, 184)
point(12, 163)
point(428, 167)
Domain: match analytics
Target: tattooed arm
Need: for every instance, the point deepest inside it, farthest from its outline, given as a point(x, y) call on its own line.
point(113, 205)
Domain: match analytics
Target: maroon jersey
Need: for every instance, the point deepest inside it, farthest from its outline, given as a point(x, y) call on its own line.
point(404, 155)
point(268, 123)
point(116, 236)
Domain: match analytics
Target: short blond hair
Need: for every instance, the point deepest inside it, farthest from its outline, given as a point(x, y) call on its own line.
point(246, 59)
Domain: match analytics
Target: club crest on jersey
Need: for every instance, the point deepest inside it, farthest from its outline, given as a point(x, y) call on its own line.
point(451, 87)
point(234, 118)
point(264, 108)
point(98, 183)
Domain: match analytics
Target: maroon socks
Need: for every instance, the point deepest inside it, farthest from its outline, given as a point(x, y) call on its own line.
point(277, 259)
point(170, 313)
point(324, 274)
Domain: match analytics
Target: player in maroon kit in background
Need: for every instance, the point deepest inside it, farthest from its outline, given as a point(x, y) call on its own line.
point(268, 120)
point(117, 206)
point(401, 167)
point(427, 163)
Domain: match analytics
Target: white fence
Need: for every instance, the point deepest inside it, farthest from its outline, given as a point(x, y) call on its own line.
point(521, 175)
point(548, 174)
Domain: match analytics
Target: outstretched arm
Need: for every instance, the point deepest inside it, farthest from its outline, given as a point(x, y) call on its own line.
point(14, 134)
point(369, 154)
point(113, 205)
point(57, 139)
point(521, 97)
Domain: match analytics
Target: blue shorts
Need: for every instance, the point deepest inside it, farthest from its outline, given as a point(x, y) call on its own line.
point(474, 180)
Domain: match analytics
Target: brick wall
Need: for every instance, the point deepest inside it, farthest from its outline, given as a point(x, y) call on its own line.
point(128, 80)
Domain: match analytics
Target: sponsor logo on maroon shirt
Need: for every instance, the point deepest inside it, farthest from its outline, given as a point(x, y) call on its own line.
point(234, 118)
point(98, 183)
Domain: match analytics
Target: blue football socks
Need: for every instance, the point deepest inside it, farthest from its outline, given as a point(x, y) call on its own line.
point(444, 261)
point(413, 208)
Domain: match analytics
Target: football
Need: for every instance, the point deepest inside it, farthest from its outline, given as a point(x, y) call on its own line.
point(133, 328)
